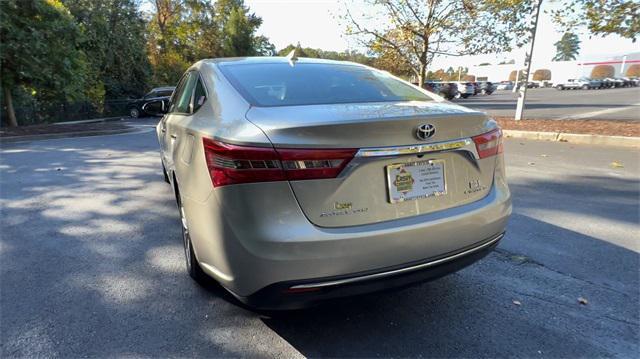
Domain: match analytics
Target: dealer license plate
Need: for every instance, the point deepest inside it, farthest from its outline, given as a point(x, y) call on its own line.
point(416, 180)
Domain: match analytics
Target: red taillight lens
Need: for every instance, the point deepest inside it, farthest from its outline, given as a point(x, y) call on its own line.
point(489, 144)
point(232, 164)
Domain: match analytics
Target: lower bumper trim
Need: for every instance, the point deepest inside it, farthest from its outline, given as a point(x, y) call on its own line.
point(305, 293)
point(381, 275)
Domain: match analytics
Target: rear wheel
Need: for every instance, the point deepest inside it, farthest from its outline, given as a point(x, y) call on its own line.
point(585, 87)
point(134, 113)
point(193, 267)
point(560, 87)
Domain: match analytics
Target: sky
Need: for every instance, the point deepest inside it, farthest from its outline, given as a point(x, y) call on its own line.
point(314, 24)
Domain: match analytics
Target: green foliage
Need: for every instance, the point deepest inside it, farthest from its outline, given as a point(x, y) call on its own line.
point(181, 32)
point(114, 42)
point(602, 72)
point(353, 56)
point(542, 75)
point(40, 49)
point(567, 48)
point(600, 17)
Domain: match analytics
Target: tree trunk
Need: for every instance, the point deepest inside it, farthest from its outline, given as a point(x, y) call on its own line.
point(422, 75)
point(9, 102)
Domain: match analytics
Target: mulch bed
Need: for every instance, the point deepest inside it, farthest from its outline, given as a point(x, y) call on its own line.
point(51, 129)
point(589, 127)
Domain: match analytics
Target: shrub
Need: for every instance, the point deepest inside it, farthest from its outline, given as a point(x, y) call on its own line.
point(512, 75)
point(602, 71)
point(542, 75)
point(470, 78)
point(633, 70)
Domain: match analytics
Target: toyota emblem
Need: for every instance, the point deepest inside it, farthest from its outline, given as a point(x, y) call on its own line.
point(424, 132)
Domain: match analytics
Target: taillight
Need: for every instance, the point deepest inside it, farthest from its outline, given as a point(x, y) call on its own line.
point(233, 164)
point(489, 144)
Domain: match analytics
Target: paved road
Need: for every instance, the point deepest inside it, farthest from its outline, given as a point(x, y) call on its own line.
point(91, 265)
point(549, 103)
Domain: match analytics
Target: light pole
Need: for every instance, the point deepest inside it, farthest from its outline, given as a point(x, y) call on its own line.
point(522, 95)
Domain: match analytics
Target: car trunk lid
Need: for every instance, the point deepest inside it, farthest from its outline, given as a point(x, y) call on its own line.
point(392, 162)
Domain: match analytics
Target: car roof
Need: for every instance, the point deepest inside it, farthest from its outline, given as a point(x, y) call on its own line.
point(273, 60)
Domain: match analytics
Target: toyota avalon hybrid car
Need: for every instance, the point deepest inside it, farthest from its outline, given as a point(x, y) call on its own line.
point(301, 180)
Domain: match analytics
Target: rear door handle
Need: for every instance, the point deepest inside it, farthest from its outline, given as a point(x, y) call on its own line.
point(174, 136)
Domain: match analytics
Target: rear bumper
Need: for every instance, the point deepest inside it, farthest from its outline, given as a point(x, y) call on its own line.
point(304, 293)
point(282, 246)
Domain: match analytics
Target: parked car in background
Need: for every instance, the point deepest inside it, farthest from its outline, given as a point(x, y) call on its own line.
point(610, 82)
point(573, 84)
point(486, 87)
point(505, 85)
point(291, 194)
point(135, 107)
point(465, 89)
point(444, 89)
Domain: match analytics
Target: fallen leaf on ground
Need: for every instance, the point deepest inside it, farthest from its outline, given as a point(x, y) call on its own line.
point(543, 155)
point(517, 302)
point(617, 164)
point(583, 301)
point(532, 163)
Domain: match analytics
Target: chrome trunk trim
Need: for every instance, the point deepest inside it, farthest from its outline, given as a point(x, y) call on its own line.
point(401, 270)
point(465, 144)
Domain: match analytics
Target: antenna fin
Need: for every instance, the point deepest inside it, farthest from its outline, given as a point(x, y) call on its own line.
point(291, 56)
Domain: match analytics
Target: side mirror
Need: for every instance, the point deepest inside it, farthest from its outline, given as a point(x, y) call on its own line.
point(156, 107)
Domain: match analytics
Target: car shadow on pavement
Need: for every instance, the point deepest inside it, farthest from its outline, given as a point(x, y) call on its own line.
point(506, 305)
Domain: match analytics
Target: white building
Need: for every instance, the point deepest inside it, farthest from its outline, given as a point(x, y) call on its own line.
point(560, 70)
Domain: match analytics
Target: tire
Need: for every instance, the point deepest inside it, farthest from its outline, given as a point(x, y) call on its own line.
point(458, 95)
point(560, 87)
point(483, 91)
point(193, 267)
point(465, 96)
point(585, 87)
point(134, 113)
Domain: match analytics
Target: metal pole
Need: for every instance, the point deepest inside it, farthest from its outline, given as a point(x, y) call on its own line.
point(459, 72)
point(523, 89)
point(624, 60)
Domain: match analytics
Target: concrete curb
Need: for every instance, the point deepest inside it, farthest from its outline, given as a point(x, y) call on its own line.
point(93, 120)
point(51, 136)
point(620, 141)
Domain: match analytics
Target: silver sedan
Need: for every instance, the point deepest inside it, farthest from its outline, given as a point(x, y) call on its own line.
point(300, 180)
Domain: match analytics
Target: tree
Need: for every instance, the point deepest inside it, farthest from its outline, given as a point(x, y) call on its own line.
point(182, 32)
point(418, 30)
point(469, 78)
point(485, 64)
point(40, 52)
point(542, 75)
point(114, 42)
point(567, 48)
point(633, 70)
point(600, 17)
point(602, 71)
point(507, 62)
point(263, 46)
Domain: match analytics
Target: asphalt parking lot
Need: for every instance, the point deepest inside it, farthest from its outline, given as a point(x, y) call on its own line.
point(91, 264)
point(549, 103)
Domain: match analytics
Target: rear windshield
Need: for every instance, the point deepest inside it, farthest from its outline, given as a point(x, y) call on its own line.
point(312, 84)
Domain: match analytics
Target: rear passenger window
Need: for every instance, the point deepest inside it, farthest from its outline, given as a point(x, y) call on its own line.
point(199, 96)
point(182, 98)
